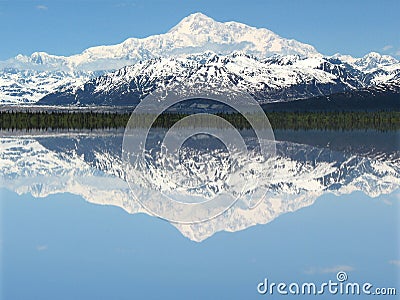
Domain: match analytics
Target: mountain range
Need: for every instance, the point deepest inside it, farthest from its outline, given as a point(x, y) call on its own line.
point(230, 54)
point(273, 79)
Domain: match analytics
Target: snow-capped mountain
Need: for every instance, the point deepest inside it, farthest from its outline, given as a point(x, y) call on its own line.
point(89, 165)
point(277, 78)
point(196, 33)
point(26, 79)
point(377, 68)
point(27, 86)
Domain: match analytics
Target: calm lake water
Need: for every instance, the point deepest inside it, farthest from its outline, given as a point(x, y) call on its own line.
point(72, 229)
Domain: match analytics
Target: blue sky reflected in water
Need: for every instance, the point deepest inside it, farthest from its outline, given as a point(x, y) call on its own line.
point(61, 247)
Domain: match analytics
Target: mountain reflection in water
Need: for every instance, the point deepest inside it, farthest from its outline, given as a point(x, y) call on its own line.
point(308, 164)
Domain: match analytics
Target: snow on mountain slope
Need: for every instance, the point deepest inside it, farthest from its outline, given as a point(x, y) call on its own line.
point(268, 80)
point(29, 86)
point(374, 60)
point(377, 69)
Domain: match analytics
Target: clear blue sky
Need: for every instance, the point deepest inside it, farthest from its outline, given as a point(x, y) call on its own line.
point(64, 27)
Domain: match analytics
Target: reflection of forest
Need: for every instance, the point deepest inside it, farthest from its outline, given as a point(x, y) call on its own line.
point(383, 120)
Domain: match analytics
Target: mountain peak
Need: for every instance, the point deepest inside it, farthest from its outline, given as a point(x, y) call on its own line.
point(378, 56)
point(39, 57)
point(193, 23)
point(195, 17)
point(200, 32)
point(374, 60)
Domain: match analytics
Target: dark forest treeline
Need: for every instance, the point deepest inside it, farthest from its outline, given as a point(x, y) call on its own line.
point(61, 120)
point(383, 120)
